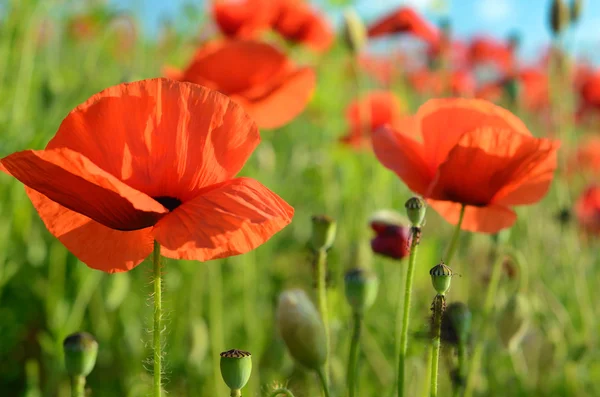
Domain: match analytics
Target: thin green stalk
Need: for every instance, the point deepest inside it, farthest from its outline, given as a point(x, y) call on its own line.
point(487, 311)
point(324, 384)
point(322, 299)
point(77, 386)
point(461, 370)
point(281, 392)
point(428, 373)
point(454, 242)
point(436, 342)
point(412, 259)
point(157, 319)
point(353, 358)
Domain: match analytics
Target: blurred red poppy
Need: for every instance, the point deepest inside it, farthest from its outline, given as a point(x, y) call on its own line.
point(488, 51)
point(391, 238)
point(586, 158)
point(254, 74)
point(151, 160)
point(587, 210)
point(244, 18)
point(589, 95)
point(372, 111)
point(405, 20)
point(437, 83)
point(298, 22)
point(473, 153)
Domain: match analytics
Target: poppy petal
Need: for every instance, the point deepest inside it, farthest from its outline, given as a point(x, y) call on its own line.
point(489, 219)
point(284, 103)
point(404, 156)
point(162, 137)
point(94, 244)
point(444, 121)
point(73, 181)
point(233, 218)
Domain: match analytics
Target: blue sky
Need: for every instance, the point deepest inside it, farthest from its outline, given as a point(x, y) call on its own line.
point(491, 17)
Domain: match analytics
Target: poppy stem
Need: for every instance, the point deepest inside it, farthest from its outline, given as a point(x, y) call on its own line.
point(323, 379)
point(412, 259)
point(438, 309)
point(77, 386)
point(157, 346)
point(454, 242)
point(353, 358)
point(322, 298)
point(281, 392)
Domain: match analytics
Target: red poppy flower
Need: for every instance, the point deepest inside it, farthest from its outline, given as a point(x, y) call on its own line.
point(299, 23)
point(431, 82)
point(256, 75)
point(372, 111)
point(405, 20)
point(392, 237)
point(473, 153)
point(485, 50)
point(589, 95)
point(586, 158)
point(587, 210)
point(151, 160)
point(246, 18)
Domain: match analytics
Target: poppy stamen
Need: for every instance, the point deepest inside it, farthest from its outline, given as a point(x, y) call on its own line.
point(168, 202)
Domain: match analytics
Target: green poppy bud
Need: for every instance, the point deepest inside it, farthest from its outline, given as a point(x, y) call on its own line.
point(323, 232)
point(354, 33)
point(559, 17)
point(236, 366)
point(441, 276)
point(415, 210)
point(81, 350)
point(576, 9)
point(301, 328)
point(456, 323)
point(361, 289)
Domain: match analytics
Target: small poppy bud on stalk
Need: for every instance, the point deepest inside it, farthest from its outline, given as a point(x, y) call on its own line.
point(301, 328)
point(236, 367)
point(415, 210)
point(80, 350)
point(456, 324)
point(361, 289)
point(559, 17)
point(323, 232)
point(354, 32)
point(441, 277)
point(576, 8)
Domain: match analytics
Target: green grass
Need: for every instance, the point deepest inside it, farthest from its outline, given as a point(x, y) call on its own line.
point(46, 294)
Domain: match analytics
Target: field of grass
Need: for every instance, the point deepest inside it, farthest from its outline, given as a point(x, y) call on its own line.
point(536, 335)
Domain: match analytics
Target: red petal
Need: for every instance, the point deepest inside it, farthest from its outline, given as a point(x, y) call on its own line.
point(161, 137)
point(73, 181)
point(405, 20)
point(230, 219)
point(92, 243)
point(489, 219)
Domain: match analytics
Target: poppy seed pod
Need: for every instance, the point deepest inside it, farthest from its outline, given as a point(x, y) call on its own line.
point(81, 350)
point(559, 17)
point(301, 328)
point(361, 289)
point(236, 366)
point(354, 32)
point(456, 323)
point(415, 210)
point(441, 276)
point(576, 8)
point(323, 232)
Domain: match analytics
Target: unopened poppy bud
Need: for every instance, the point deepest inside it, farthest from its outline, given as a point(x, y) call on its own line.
point(81, 350)
point(576, 8)
point(441, 277)
point(559, 16)
point(514, 321)
point(456, 323)
point(354, 33)
point(301, 328)
point(415, 210)
point(323, 232)
point(236, 366)
point(361, 289)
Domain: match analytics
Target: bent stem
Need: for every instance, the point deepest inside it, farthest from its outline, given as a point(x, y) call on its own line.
point(454, 242)
point(281, 392)
point(406, 317)
point(322, 298)
point(438, 309)
point(157, 347)
point(323, 379)
point(77, 386)
point(353, 359)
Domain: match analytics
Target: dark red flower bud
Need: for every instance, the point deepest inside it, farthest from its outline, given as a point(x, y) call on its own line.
point(391, 240)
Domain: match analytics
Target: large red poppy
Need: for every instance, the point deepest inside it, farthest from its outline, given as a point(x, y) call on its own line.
point(254, 74)
point(151, 160)
point(244, 19)
point(405, 20)
point(473, 153)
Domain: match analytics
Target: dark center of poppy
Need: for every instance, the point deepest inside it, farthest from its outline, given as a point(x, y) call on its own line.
point(169, 203)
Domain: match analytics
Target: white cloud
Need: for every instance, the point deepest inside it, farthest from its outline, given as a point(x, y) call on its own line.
point(494, 10)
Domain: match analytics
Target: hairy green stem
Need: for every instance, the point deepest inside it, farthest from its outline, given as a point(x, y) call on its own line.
point(324, 383)
point(436, 342)
point(157, 345)
point(454, 242)
point(412, 259)
point(281, 392)
point(77, 386)
point(322, 299)
point(353, 358)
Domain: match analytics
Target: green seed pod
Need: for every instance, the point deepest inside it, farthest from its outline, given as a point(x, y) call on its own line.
point(301, 328)
point(415, 210)
point(323, 232)
point(81, 350)
point(236, 366)
point(441, 276)
point(559, 17)
point(354, 33)
point(576, 8)
point(361, 289)
point(456, 323)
